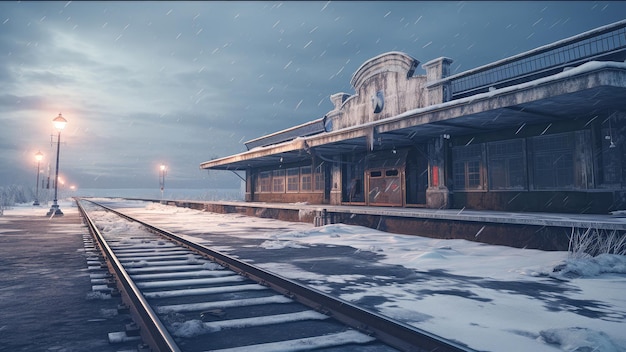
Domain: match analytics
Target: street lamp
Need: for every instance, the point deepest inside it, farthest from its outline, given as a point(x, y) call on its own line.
point(38, 157)
point(59, 123)
point(162, 173)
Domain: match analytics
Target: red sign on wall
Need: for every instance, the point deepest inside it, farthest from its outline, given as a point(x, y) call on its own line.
point(435, 178)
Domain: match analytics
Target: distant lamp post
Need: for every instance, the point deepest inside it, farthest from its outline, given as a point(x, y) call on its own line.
point(162, 173)
point(38, 157)
point(59, 123)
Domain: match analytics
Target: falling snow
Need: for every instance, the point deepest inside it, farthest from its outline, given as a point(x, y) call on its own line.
point(137, 60)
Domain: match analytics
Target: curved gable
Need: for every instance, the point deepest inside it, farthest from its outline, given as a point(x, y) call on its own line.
point(394, 61)
point(384, 87)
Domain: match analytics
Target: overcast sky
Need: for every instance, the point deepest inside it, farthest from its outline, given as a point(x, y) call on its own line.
point(179, 83)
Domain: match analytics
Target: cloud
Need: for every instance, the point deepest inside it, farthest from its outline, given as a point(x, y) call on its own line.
point(10, 103)
point(183, 82)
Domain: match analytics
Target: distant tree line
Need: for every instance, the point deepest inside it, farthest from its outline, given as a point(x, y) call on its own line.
point(10, 195)
point(16, 194)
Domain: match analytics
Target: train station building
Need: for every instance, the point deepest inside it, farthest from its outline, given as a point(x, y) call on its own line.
point(544, 130)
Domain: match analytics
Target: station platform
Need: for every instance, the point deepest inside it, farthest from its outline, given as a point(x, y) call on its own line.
point(547, 231)
point(595, 221)
point(46, 295)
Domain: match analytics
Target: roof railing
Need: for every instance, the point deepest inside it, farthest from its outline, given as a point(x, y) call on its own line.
point(603, 43)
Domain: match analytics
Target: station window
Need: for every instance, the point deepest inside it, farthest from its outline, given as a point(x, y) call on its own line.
point(278, 181)
point(305, 179)
point(264, 181)
point(467, 167)
point(506, 165)
point(319, 178)
point(293, 179)
point(553, 161)
point(391, 173)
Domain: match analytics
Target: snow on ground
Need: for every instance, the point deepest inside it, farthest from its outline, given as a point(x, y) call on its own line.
point(492, 298)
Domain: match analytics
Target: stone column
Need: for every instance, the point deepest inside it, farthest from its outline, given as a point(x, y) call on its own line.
point(336, 186)
point(251, 177)
point(437, 193)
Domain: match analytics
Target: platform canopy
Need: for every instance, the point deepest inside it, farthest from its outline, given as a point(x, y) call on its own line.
point(592, 90)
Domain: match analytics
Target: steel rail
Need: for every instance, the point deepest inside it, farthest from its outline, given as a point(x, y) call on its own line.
point(396, 334)
point(154, 333)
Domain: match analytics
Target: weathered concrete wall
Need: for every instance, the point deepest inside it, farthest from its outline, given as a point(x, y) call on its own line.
point(576, 202)
point(260, 212)
point(313, 198)
point(389, 79)
point(435, 71)
point(513, 235)
point(519, 236)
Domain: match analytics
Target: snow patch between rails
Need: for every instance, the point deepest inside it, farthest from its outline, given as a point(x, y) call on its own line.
point(98, 295)
point(195, 327)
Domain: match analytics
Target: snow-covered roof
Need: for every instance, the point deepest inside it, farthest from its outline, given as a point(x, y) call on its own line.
point(337, 136)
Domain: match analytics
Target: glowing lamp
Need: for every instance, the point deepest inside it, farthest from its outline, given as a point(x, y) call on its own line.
point(59, 122)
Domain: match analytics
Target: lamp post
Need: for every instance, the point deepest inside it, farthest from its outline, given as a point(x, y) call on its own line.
point(59, 123)
point(162, 172)
point(38, 157)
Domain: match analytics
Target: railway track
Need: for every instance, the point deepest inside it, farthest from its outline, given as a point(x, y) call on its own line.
point(184, 296)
